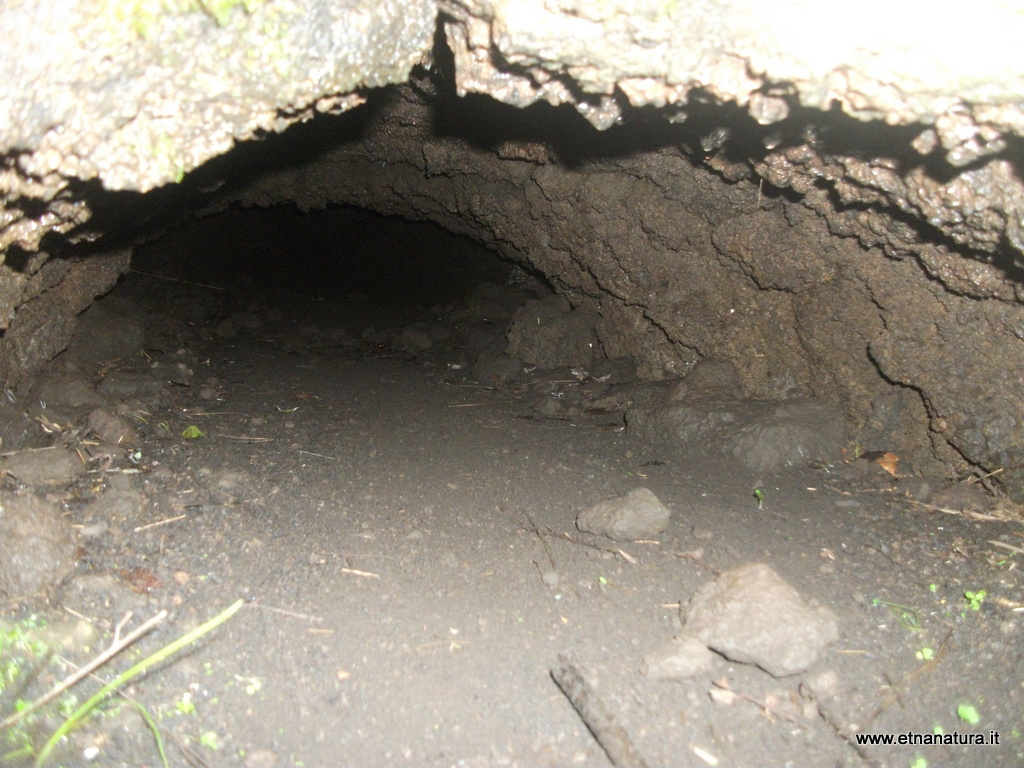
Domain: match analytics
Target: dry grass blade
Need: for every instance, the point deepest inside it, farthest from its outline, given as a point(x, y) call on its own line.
point(159, 523)
point(283, 612)
point(355, 572)
point(1004, 545)
point(968, 513)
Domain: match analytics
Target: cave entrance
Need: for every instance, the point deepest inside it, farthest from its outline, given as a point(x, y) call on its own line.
point(328, 421)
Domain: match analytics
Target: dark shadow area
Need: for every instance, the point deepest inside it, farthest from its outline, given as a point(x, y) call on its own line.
point(121, 218)
point(340, 253)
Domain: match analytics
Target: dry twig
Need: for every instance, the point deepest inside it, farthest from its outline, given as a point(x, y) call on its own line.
point(115, 648)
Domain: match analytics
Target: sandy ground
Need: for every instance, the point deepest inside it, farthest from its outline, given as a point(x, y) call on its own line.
point(403, 538)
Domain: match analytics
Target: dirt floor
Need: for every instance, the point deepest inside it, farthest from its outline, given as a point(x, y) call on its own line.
point(402, 534)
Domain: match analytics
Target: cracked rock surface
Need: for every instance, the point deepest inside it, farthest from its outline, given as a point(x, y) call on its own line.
point(834, 206)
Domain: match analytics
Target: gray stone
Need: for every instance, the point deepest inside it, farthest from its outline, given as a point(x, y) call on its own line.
point(710, 378)
point(127, 384)
point(44, 466)
point(749, 614)
point(36, 545)
point(112, 428)
point(548, 333)
point(413, 338)
point(683, 657)
point(56, 390)
point(764, 435)
point(103, 335)
point(493, 366)
point(637, 515)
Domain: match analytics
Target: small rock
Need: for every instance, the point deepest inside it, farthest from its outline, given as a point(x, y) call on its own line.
point(261, 758)
point(683, 657)
point(103, 335)
point(37, 549)
point(46, 466)
point(493, 366)
point(58, 390)
point(750, 614)
point(126, 384)
point(413, 338)
point(710, 378)
point(962, 497)
point(118, 505)
point(111, 428)
point(637, 515)
point(763, 435)
point(824, 685)
point(549, 333)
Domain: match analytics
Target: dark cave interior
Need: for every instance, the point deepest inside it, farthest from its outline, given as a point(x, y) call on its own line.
point(338, 253)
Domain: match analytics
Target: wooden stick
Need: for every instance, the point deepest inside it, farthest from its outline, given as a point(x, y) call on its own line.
point(599, 721)
point(115, 648)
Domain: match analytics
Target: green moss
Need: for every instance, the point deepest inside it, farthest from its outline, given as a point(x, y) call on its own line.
point(143, 16)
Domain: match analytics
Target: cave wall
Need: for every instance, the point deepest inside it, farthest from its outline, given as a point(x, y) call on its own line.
point(682, 264)
point(836, 207)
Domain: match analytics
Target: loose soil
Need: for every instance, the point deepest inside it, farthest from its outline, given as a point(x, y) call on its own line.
point(403, 538)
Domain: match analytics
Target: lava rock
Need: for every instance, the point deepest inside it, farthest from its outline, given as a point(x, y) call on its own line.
point(58, 390)
point(637, 515)
point(127, 384)
point(710, 378)
point(414, 338)
point(37, 549)
point(683, 657)
point(548, 333)
point(111, 428)
point(493, 366)
point(46, 466)
point(104, 335)
point(751, 615)
point(765, 435)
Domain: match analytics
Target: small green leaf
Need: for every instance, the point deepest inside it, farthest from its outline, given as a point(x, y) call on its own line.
point(975, 598)
point(209, 739)
point(186, 706)
point(925, 654)
point(192, 432)
point(968, 713)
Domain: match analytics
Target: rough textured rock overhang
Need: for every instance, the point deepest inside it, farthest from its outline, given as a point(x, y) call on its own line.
point(108, 95)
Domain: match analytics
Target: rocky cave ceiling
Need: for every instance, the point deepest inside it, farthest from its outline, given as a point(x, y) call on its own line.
point(833, 202)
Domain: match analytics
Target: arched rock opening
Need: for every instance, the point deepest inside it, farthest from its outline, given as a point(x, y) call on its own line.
point(671, 237)
point(326, 371)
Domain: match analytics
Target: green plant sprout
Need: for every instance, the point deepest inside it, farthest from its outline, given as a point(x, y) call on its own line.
point(759, 495)
point(151, 724)
point(975, 599)
point(168, 650)
point(968, 713)
point(209, 739)
point(185, 705)
point(905, 615)
point(925, 654)
point(192, 432)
